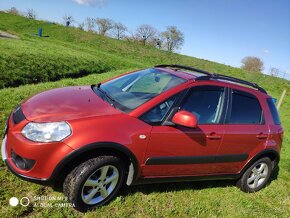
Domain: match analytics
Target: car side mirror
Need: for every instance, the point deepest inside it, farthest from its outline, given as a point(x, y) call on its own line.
point(185, 118)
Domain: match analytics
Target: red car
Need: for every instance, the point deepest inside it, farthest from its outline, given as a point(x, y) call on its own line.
point(166, 123)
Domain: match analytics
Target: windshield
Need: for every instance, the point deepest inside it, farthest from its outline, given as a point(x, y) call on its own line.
point(132, 90)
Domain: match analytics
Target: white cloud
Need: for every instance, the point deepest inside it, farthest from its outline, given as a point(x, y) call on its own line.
point(266, 51)
point(99, 3)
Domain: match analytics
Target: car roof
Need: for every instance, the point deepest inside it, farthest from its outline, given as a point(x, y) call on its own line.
point(190, 73)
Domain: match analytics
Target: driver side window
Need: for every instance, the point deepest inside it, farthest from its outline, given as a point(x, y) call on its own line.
point(156, 115)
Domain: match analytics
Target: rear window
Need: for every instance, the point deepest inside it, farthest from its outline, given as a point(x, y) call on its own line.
point(246, 109)
point(274, 111)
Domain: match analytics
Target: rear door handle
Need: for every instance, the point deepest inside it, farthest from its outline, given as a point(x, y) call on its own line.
point(261, 136)
point(213, 136)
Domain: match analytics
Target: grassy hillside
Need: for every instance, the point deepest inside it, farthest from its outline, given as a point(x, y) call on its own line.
point(69, 51)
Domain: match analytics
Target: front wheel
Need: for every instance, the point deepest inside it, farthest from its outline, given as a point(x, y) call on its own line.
point(256, 176)
point(94, 182)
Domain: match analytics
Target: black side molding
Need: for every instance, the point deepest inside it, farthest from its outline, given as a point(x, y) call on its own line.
point(196, 159)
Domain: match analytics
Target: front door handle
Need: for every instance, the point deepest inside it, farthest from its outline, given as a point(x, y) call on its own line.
point(261, 136)
point(213, 136)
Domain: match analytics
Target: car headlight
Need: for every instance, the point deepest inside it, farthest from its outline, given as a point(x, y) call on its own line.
point(46, 132)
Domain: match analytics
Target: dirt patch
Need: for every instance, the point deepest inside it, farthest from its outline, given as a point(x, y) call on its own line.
point(7, 35)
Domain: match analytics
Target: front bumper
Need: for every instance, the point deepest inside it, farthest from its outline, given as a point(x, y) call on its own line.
point(46, 155)
point(29, 179)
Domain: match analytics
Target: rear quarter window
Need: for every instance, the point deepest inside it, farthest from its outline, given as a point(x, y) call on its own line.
point(273, 110)
point(245, 109)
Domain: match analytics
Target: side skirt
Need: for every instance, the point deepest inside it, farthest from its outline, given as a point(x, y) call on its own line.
point(186, 179)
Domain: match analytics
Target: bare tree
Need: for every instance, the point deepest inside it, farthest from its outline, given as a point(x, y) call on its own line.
point(173, 38)
point(145, 33)
point(81, 26)
point(274, 71)
point(119, 30)
point(90, 24)
point(13, 10)
point(252, 63)
point(158, 41)
point(104, 25)
point(68, 20)
point(31, 14)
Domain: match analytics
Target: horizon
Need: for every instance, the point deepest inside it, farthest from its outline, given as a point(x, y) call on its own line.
point(228, 30)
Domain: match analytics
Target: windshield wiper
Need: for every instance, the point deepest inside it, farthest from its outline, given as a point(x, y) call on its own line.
point(112, 100)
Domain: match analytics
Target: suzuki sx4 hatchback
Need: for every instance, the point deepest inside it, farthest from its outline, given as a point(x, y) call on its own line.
point(166, 123)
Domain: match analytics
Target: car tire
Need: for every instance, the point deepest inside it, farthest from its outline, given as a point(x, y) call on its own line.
point(95, 182)
point(256, 176)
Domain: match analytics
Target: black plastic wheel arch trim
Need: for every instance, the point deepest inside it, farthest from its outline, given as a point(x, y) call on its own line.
point(261, 155)
point(93, 147)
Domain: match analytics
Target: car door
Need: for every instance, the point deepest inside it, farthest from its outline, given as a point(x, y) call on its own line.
point(246, 132)
point(175, 150)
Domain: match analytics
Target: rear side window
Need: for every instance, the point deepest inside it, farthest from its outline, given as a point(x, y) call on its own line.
point(246, 109)
point(274, 111)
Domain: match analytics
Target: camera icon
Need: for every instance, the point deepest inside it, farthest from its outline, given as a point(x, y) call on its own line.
point(24, 201)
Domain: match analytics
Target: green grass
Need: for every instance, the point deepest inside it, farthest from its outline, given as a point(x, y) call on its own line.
point(64, 52)
point(203, 199)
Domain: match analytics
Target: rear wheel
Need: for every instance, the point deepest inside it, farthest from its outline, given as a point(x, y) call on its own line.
point(256, 176)
point(94, 182)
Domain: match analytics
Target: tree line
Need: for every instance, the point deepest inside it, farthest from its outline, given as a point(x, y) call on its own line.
point(171, 39)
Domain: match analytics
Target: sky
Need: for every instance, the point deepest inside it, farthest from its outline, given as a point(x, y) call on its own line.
point(224, 31)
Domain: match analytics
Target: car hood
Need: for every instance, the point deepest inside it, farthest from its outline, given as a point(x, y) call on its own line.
point(66, 104)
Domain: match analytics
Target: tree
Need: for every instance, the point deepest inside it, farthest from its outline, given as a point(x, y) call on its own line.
point(31, 14)
point(90, 24)
point(68, 20)
point(252, 63)
point(173, 38)
point(104, 25)
point(145, 33)
point(119, 30)
point(81, 26)
point(13, 10)
point(274, 71)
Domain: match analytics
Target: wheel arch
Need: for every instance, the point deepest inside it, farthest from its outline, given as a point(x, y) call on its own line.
point(271, 153)
point(92, 150)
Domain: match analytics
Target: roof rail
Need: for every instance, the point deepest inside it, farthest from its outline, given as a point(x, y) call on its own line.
point(185, 68)
point(215, 76)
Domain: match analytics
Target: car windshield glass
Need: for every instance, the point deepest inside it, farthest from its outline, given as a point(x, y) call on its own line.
point(132, 90)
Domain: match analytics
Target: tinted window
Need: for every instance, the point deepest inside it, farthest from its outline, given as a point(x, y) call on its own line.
point(273, 110)
point(157, 114)
point(246, 109)
point(206, 103)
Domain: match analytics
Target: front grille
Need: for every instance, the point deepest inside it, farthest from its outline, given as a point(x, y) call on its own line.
point(18, 115)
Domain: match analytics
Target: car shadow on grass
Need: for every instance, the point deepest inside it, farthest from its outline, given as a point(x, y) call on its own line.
point(177, 186)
